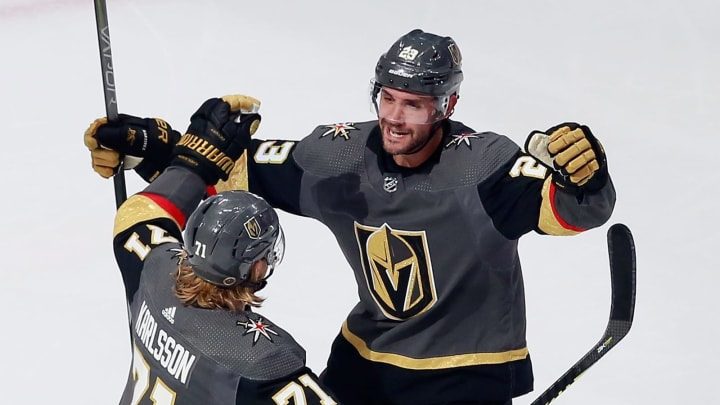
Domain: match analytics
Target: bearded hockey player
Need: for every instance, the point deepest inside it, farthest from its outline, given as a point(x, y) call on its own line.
point(428, 213)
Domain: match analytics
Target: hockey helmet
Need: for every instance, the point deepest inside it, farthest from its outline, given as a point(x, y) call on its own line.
point(421, 63)
point(230, 231)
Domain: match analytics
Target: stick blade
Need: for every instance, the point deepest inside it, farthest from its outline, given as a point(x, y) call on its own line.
point(621, 248)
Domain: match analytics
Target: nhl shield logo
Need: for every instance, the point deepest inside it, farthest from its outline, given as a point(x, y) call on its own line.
point(397, 270)
point(391, 184)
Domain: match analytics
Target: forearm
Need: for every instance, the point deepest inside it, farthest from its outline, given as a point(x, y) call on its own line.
point(179, 191)
point(564, 212)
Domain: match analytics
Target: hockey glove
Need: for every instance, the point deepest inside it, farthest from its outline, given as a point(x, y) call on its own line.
point(149, 140)
point(218, 134)
point(573, 153)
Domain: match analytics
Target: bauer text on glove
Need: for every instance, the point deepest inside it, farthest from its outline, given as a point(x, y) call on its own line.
point(150, 140)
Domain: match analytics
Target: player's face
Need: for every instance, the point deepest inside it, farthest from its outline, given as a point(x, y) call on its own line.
point(406, 120)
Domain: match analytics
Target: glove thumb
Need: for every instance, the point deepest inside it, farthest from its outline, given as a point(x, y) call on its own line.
point(536, 146)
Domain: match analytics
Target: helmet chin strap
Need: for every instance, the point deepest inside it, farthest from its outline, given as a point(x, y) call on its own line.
point(434, 128)
point(439, 123)
point(434, 131)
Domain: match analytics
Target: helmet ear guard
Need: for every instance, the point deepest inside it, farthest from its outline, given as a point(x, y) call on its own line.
point(228, 233)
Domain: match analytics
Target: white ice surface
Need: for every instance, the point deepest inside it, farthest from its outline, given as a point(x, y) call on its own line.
point(643, 74)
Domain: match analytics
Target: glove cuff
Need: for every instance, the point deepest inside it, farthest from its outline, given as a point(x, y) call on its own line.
point(149, 170)
point(210, 173)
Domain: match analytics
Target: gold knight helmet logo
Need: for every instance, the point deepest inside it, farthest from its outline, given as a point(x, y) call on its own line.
point(252, 226)
point(397, 270)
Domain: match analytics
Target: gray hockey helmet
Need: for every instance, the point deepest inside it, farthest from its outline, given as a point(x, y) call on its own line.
point(422, 63)
point(227, 233)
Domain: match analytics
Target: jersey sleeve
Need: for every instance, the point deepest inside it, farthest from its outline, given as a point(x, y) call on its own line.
point(153, 217)
point(521, 197)
point(301, 387)
point(274, 175)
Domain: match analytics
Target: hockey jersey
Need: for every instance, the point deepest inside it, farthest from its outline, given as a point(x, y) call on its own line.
point(189, 355)
point(433, 249)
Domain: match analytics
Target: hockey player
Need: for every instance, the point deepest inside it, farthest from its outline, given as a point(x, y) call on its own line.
point(195, 338)
point(428, 213)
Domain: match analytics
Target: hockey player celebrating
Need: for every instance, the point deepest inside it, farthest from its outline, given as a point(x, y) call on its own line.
point(195, 338)
point(428, 213)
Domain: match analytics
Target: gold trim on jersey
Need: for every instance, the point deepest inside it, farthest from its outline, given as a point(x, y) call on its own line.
point(238, 179)
point(136, 209)
point(432, 363)
point(549, 221)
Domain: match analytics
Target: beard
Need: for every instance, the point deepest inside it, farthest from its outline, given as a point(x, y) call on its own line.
point(410, 142)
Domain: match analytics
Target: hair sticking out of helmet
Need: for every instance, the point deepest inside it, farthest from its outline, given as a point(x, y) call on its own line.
point(230, 231)
point(421, 63)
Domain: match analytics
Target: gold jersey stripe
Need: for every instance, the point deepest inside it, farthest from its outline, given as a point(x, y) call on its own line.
point(549, 221)
point(136, 209)
point(432, 363)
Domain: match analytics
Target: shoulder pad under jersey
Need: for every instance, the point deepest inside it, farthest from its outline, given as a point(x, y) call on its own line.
point(469, 157)
point(269, 352)
point(246, 343)
point(334, 149)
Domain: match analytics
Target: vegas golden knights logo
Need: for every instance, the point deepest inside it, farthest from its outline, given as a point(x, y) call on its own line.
point(455, 53)
point(253, 228)
point(397, 270)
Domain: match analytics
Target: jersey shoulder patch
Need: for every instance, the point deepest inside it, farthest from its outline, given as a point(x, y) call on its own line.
point(335, 148)
point(270, 352)
point(469, 157)
point(247, 343)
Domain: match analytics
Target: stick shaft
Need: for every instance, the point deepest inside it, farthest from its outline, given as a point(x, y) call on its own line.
point(108, 76)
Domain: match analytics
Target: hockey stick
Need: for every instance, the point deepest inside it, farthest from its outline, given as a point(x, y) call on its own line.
point(106, 64)
point(621, 249)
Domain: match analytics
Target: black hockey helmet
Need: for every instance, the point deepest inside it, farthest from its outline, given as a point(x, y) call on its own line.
point(227, 233)
point(422, 63)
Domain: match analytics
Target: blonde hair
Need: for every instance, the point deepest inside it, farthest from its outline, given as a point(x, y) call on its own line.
point(196, 292)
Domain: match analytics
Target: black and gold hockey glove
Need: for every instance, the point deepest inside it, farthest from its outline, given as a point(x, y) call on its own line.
point(573, 153)
point(148, 140)
point(218, 134)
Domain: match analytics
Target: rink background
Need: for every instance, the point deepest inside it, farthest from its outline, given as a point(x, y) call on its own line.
point(643, 76)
